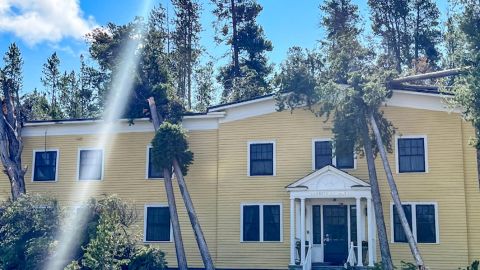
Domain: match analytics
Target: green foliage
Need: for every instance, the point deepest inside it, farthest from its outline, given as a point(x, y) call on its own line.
point(170, 142)
point(474, 266)
point(27, 230)
point(148, 258)
point(205, 87)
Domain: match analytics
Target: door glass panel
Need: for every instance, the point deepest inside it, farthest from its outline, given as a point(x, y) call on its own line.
point(317, 224)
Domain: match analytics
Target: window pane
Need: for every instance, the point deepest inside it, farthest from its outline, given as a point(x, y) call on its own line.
point(158, 224)
point(261, 159)
point(426, 224)
point(317, 224)
point(345, 156)
point(45, 166)
point(323, 154)
point(251, 223)
point(398, 233)
point(91, 164)
point(353, 224)
point(411, 155)
point(153, 171)
point(271, 223)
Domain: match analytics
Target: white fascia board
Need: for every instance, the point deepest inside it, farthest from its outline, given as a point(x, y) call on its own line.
point(422, 101)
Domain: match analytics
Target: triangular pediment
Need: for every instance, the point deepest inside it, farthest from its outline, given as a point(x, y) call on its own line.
point(328, 178)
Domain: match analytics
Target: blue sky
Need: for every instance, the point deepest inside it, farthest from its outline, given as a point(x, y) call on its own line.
point(41, 27)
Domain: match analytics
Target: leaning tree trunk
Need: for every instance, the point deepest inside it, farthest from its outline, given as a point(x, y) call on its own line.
point(11, 144)
point(395, 195)
point(377, 201)
point(172, 206)
point(201, 242)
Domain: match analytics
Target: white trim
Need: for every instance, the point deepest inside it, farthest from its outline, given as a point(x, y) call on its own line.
point(56, 165)
point(261, 221)
point(149, 146)
point(425, 146)
point(334, 157)
point(78, 163)
point(274, 157)
point(234, 105)
point(414, 221)
point(422, 101)
point(162, 205)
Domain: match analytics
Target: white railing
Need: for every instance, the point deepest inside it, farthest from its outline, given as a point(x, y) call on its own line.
point(307, 263)
point(351, 259)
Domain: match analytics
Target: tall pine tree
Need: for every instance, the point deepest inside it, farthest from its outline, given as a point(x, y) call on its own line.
point(51, 81)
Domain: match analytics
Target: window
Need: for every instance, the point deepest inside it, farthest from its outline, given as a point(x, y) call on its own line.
point(152, 171)
point(90, 165)
point(45, 165)
point(422, 218)
point(157, 224)
point(323, 155)
point(261, 222)
point(261, 158)
point(411, 154)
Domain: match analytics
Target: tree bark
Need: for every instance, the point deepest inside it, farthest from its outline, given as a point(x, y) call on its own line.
point(395, 195)
point(11, 144)
point(172, 206)
point(377, 201)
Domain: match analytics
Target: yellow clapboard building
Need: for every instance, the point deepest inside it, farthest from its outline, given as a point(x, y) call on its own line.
point(269, 188)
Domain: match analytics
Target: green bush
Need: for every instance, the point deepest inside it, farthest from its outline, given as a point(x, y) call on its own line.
point(148, 258)
point(27, 230)
point(473, 266)
point(170, 142)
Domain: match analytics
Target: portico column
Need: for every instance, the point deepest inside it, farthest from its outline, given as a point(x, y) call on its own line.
point(292, 231)
point(371, 239)
point(359, 228)
point(302, 230)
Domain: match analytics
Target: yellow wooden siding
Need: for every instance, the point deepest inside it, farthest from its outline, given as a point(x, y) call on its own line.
point(125, 173)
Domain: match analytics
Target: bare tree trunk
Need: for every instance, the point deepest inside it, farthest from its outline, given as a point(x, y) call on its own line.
point(11, 144)
point(377, 201)
point(202, 244)
point(172, 206)
point(395, 195)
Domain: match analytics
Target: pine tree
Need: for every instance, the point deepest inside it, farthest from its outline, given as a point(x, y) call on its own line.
point(51, 81)
point(247, 74)
point(204, 87)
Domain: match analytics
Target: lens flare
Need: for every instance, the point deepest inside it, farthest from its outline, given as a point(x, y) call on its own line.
point(120, 90)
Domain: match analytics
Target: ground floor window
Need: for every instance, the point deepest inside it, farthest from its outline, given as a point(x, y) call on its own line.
point(157, 224)
point(261, 222)
point(423, 221)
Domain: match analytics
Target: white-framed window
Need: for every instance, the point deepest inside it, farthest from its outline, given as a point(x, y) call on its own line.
point(45, 165)
point(90, 164)
point(261, 222)
point(157, 225)
point(261, 158)
point(411, 154)
point(423, 220)
point(151, 171)
point(325, 152)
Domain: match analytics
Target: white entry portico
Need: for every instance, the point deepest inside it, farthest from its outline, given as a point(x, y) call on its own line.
point(330, 210)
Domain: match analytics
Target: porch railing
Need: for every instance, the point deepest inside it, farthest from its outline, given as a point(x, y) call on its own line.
point(307, 264)
point(351, 259)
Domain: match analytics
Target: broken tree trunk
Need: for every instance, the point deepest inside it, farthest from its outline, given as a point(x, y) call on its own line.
point(430, 75)
point(199, 236)
point(396, 196)
point(11, 144)
point(172, 206)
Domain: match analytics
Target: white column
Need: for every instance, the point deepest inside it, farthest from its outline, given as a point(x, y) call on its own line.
point(359, 237)
point(302, 230)
point(292, 231)
point(371, 239)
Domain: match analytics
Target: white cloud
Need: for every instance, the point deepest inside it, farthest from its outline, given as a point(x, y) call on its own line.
point(36, 21)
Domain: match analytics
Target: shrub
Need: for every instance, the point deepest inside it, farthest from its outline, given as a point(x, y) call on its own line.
point(170, 142)
point(473, 266)
point(148, 258)
point(27, 230)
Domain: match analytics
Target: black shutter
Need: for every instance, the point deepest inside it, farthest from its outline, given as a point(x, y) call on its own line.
point(271, 223)
point(251, 223)
point(426, 231)
point(353, 224)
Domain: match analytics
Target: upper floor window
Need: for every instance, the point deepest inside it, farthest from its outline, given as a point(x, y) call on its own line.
point(261, 158)
point(90, 164)
point(261, 222)
point(157, 224)
point(422, 218)
point(323, 155)
point(45, 165)
point(411, 154)
point(152, 171)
